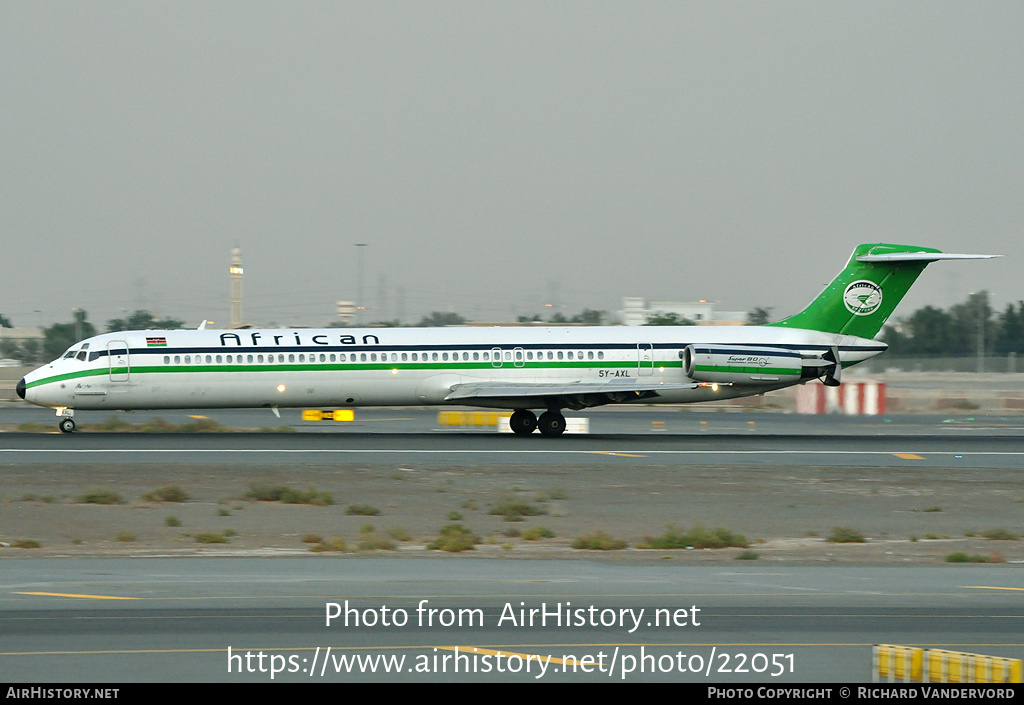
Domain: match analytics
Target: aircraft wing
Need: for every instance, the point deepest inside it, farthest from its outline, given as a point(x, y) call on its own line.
point(585, 393)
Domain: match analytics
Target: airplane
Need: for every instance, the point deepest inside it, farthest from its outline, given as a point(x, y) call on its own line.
point(518, 368)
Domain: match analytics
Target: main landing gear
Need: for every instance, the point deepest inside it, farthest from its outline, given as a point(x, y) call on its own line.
point(524, 421)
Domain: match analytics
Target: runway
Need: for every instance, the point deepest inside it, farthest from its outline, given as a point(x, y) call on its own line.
point(648, 436)
point(805, 611)
point(172, 620)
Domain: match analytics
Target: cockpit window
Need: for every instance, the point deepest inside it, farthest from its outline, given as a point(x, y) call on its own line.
point(81, 355)
point(69, 353)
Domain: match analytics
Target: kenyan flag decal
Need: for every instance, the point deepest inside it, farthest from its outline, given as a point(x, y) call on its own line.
point(156, 342)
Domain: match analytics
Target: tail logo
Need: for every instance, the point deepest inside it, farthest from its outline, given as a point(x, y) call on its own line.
point(862, 297)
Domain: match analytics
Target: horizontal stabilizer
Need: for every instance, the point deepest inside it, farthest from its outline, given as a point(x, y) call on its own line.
point(919, 257)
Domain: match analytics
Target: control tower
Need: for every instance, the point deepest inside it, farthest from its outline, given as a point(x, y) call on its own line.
point(236, 287)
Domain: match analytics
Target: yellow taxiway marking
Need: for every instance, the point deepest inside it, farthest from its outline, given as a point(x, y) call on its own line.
point(84, 597)
point(622, 455)
point(194, 416)
point(990, 587)
point(908, 456)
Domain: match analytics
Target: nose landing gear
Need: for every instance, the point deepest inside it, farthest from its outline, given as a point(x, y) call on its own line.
point(66, 423)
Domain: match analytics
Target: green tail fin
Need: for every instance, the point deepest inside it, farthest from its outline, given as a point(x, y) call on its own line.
point(860, 300)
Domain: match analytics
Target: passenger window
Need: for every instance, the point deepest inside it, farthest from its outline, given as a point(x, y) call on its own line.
point(167, 359)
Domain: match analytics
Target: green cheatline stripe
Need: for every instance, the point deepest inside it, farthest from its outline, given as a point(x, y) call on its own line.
point(747, 370)
point(69, 375)
point(346, 367)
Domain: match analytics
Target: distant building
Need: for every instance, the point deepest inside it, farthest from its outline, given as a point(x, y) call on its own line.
point(20, 345)
point(636, 311)
point(346, 311)
point(22, 335)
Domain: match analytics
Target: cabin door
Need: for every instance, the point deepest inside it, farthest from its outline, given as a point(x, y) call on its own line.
point(645, 359)
point(120, 365)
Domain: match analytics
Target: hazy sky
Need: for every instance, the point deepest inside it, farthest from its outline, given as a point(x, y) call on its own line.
point(494, 155)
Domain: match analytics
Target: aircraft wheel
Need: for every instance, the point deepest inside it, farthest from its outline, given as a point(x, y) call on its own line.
point(552, 424)
point(67, 425)
point(523, 422)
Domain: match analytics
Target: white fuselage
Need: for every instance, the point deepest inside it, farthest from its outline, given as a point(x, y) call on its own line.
point(395, 366)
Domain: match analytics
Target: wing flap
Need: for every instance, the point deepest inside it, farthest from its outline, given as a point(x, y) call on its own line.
point(506, 390)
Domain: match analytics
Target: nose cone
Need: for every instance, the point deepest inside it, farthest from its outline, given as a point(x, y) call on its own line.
point(20, 388)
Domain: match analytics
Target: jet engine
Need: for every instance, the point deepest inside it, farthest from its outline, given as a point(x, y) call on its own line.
point(739, 364)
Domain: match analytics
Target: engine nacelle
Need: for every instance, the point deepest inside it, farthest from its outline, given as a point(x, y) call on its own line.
point(739, 364)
